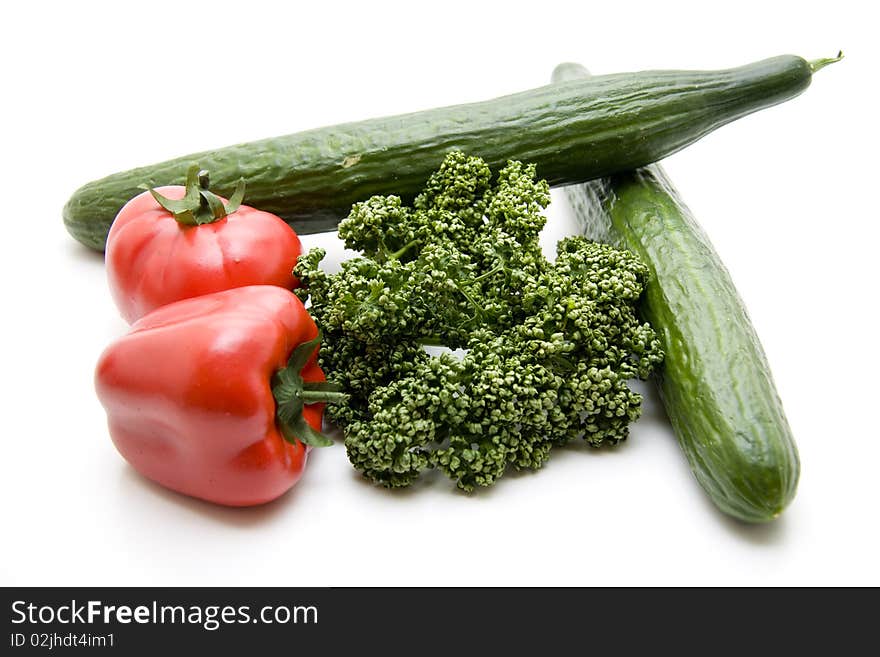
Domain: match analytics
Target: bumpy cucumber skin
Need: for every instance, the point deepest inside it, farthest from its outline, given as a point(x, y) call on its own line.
point(715, 381)
point(573, 131)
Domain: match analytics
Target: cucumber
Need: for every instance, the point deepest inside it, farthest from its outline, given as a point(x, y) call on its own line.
point(715, 382)
point(573, 131)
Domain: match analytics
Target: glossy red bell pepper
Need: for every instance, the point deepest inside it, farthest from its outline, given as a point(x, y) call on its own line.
point(218, 396)
point(176, 242)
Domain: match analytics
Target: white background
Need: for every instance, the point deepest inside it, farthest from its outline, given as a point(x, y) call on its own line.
point(788, 196)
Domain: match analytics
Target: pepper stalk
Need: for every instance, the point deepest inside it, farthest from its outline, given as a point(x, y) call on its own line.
point(292, 393)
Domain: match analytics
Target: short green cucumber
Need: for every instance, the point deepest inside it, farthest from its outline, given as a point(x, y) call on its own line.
point(715, 382)
point(573, 131)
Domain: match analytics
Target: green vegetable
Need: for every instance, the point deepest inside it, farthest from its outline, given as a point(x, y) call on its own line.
point(548, 348)
point(573, 132)
point(715, 381)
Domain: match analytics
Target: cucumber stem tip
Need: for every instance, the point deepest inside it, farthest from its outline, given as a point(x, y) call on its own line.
point(818, 64)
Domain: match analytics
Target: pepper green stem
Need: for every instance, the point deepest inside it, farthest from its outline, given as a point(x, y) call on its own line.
point(818, 64)
point(292, 394)
point(313, 396)
point(199, 205)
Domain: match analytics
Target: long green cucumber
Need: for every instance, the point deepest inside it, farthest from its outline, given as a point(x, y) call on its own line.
point(573, 131)
point(715, 382)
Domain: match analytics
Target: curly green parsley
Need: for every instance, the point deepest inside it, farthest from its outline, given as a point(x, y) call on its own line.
point(545, 350)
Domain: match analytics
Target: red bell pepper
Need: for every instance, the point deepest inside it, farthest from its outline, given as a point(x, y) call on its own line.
point(218, 396)
point(175, 242)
